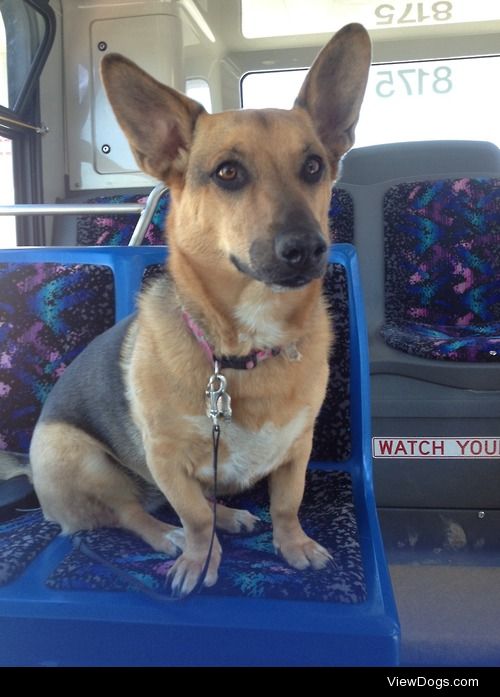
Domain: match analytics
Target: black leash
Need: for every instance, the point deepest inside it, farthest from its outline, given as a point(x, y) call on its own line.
point(215, 458)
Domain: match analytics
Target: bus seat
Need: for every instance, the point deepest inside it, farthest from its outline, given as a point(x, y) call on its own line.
point(57, 601)
point(341, 216)
point(418, 396)
point(378, 163)
point(49, 314)
point(442, 269)
point(53, 303)
point(368, 175)
point(118, 229)
point(108, 229)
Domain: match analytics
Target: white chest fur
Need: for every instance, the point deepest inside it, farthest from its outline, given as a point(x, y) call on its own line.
point(252, 454)
point(256, 315)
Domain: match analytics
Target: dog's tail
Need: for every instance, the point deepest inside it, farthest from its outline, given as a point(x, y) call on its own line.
point(14, 465)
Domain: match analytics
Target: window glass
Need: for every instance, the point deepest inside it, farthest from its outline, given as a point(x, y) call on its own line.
point(265, 18)
point(27, 29)
point(27, 37)
point(199, 89)
point(425, 100)
point(4, 88)
point(7, 225)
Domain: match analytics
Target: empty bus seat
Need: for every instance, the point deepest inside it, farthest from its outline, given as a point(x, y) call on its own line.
point(381, 163)
point(118, 229)
point(442, 269)
point(414, 395)
point(58, 606)
point(368, 175)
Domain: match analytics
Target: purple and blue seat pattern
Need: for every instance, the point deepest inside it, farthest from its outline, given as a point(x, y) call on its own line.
point(117, 230)
point(442, 274)
point(250, 566)
point(48, 314)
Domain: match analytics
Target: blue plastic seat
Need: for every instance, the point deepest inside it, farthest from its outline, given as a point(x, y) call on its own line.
point(47, 624)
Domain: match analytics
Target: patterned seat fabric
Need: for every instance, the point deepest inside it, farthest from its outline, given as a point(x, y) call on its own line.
point(117, 230)
point(442, 280)
point(48, 314)
point(332, 433)
point(341, 216)
point(250, 566)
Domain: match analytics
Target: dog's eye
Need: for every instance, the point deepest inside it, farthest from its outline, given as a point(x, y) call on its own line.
point(230, 176)
point(312, 169)
point(227, 172)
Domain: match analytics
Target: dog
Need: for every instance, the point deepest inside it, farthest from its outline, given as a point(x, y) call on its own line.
point(248, 243)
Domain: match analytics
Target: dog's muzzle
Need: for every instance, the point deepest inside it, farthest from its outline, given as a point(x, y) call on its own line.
point(291, 256)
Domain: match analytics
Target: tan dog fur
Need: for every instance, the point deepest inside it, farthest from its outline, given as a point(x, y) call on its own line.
point(165, 372)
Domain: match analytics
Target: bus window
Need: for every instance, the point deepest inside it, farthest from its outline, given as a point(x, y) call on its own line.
point(27, 29)
point(274, 18)
point(4, 90)
point(431, 100)
point(197, 88)
point(411, 101)
point(7, 225)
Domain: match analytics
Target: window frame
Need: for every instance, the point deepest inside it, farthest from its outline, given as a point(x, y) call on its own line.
point(18, 122)
point(42, 8)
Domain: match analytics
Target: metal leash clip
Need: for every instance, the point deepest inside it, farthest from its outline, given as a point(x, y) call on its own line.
point(217, 399)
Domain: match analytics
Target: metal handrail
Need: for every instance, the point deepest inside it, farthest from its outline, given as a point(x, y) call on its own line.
point(71, 208)
point(145, 211)
point(146, 215)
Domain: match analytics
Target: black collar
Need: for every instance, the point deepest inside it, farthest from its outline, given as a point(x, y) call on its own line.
point(247, 362)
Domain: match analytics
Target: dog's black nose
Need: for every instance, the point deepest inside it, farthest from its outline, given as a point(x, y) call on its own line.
point(299, 250)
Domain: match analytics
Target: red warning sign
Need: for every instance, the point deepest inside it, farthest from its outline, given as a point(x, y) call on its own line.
point(436, 447)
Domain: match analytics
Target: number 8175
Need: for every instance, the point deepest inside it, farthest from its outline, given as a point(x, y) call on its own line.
point(414, 13)
point(414, 81)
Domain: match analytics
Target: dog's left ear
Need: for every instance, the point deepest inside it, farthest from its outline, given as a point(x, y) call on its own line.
point(334, 88)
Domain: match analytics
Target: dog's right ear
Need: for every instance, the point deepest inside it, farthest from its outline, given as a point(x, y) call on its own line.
point(334, 87)
point(157, 120)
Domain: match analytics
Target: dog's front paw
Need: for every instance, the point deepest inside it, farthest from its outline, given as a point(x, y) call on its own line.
point(177, 537)
point(304, 552)
point(185, 573)
point(235, 520)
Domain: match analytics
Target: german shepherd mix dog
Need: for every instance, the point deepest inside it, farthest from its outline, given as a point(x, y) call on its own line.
point(248, 238)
